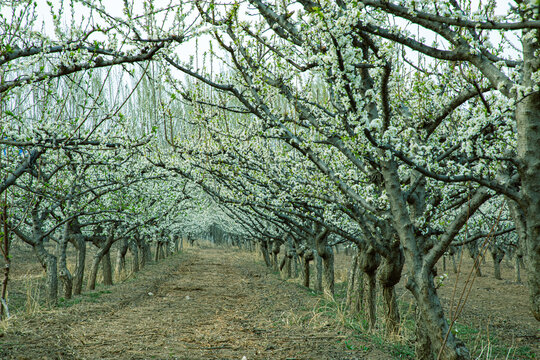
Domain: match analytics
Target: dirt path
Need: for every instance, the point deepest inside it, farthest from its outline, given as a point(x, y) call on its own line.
point(202, 304)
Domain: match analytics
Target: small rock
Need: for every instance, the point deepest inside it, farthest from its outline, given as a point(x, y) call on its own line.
point(150, 294)
point(187, 297)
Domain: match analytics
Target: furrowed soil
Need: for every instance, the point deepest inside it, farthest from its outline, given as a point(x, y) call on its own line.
point(201, 304)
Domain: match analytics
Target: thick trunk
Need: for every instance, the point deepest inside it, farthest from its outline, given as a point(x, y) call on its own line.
point(158, 252)
point(308, 256)
point(318, 275)
point(288, 265)
point(528, 143)
point(517, 269)
point(326, 253)
point(358, 292)
point(275, 251)
point(146, 253)
point(107, 268)
point(91, 285)
point(497, 257)
point(454, 265)
point(351, 276)
point(368, 262)
point(420, 273)
point(121, 256)
point(264, 252)
point(389, 275)
point(474, 253)
point(392, 310)
point(135, 253)
point(63, 272)
point(371, 300)
point(328, 273)
point(102, 256)
point(50, 264)
point(78, 275)
point(437, 329)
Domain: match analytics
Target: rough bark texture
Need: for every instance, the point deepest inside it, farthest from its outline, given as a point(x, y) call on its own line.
point(121, 256)
point(420, 281)
point(264, 252)
point(135, 253)
point(107, 269)
point(318, 278)
point(326, 253)
point(351, 277)
point(368, 262)
point(307, 258)
point(475, 256)
point(78, 275)
point(104, 247)
point(497, 255)
point(389, 275)
point(528, 129)
point(275, 251)
point(64, 274)
point(50, 264)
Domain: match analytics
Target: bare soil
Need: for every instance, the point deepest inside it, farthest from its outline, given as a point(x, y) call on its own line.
point(201, 304)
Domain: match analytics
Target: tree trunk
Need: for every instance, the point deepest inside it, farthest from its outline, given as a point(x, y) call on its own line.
point(326, 253)
point(78, 276)
point(420, 273)
point(497, 255)
point(389, 275)
point(350, 280)
point(121, 256)
point(103, 253)
point(264, 252)
point(437, 328)
point(5, 243)
point(358, 292)
point(528, 142)
point(63, 272)
point(517, 269)
point(319, 277)
point(157, 254)
point(107, 268)
point(475, 256)
point(50, 264)
point(368, 262)
point(454, 265)
point(308, 256)
point(134, 248)
point(275, 251)
point(371, 300)
point(91, 285)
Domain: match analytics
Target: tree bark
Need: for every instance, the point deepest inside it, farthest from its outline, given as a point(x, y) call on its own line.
point(368, 262)
point(326, 253)
point(275, 251)
point(307, 258)
point(420, 279)
point(121, 256)
point(528, 145)
point(351, 277)
point(497, 255)
point(64, 274)
point(78, 276)
point(134, 248)
point(50, 264)
point(264, 252)
point(106, 267)
point(318, 276)
point(389, 275)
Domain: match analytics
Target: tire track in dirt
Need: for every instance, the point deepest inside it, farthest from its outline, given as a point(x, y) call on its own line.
point(202, 304)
